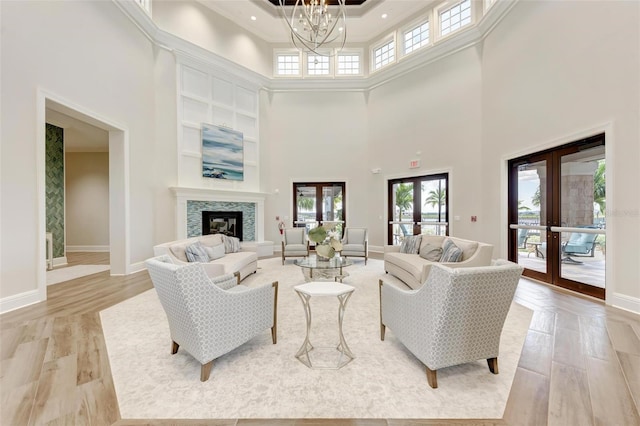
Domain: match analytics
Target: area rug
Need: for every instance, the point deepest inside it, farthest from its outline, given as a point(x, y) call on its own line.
point(73, 272)
point(262, 380)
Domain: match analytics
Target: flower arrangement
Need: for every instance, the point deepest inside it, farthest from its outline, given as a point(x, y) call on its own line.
point(327, 241)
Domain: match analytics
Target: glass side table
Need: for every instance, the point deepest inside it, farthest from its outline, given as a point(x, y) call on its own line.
point(314, 269)
point(343, 354)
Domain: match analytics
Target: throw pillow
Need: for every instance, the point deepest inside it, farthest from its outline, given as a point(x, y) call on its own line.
point(451, 252)
point(215, 252)
point(410, 244)
point(231, 244)
point(196, 253)
point(430, 252)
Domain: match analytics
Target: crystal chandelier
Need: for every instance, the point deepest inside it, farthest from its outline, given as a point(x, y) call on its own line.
point(313, 25)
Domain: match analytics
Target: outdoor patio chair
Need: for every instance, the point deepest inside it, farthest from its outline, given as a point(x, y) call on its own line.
point(579, 244)
point(523, 236)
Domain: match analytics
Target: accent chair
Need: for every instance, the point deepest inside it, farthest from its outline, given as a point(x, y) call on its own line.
point(294, 243)
point(355, 243)
point(209, 317)
point(456, 317)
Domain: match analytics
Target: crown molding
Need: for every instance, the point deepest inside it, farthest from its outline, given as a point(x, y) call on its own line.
point(187, 52)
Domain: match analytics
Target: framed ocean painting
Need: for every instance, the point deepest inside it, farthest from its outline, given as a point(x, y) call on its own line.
point(222, 153)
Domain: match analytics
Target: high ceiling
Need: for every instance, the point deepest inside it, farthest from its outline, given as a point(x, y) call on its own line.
point(364, 21)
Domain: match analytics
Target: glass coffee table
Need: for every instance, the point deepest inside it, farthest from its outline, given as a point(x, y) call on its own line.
point(314, 269)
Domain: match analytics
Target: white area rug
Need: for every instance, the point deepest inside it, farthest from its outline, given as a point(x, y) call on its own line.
point(262, 380)
point(72, 272)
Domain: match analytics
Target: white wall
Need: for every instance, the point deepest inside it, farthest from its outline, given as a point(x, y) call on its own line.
point(90, 54)
point(199, 25)
point(556, 69)
point(434, 111)
point(87, 200)
point(315, 137)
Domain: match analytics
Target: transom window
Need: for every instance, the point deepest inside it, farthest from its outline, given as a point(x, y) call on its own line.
point(384, 55)
point(455, 17)
point(317, 65)
point(416, 37)
point(348, 64)
point(288, 64)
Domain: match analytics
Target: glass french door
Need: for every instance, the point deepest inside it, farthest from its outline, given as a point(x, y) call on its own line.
point(417, 205)
point(557, 215)
point(317, 204)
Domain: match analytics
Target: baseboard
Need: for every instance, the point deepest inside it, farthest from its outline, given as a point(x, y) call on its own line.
point(19, 301)
point(622, 301)
point(57, 261)
point(376, 249)
point(95, 249)
point(137, 267)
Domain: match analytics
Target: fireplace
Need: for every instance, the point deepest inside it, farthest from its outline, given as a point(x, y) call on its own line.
point(222, 222)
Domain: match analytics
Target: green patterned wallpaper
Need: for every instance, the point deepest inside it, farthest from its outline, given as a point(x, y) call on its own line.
point(54, 168)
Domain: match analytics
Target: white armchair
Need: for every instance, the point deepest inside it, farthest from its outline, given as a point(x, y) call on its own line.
point(355, 243)
point(294, 243)
point(455, 317)
point(210, 317)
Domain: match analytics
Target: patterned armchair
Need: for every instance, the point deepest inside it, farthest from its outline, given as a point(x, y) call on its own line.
point(455, 317)
point(355, 243)
point(294, 243)
point(210, 317)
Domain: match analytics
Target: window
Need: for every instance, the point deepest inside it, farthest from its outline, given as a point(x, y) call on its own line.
point(348, 64)
point(384, 55)
point(418, 206)
point(455, 17)
point(288, 64)
point(317, 65)
point(416, 37)
point(319, 203)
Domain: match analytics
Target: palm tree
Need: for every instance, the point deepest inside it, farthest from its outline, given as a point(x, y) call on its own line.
point(599, 191)
point(404, 198)
point(522, 206)
point(535, 200)
point(306, 203)
point(439, 197)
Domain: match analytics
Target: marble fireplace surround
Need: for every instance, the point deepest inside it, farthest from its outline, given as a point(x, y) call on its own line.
point(183, 195)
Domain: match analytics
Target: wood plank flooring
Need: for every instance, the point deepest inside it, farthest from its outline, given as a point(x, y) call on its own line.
point(580, 363)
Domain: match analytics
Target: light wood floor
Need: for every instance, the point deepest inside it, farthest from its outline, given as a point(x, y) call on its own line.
point(580, 363)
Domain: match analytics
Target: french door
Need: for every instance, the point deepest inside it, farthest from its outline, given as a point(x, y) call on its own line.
point(319, 203)
point(557, 215)
point(418, 205)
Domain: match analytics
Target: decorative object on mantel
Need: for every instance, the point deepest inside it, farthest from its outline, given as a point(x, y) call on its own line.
point(222, 153)
point(313, 26)
point(327, 242)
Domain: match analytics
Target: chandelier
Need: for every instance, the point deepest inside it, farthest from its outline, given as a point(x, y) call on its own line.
point(313, 25)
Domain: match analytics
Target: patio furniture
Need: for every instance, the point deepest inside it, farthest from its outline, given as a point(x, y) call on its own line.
point(523, 236)
point(294, 243)
point(210, 317)
point(579, 244)
point(456, 317)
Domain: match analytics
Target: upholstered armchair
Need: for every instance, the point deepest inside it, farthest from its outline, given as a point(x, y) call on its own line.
point(455, 317)
point(294, 243)
point(355, 243)
point(211, 317)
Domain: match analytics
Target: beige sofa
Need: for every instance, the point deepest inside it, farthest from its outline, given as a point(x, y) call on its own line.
point(244, 261)
point(413, 270)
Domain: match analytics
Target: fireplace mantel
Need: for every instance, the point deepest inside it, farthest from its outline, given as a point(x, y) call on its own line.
point(184, 194)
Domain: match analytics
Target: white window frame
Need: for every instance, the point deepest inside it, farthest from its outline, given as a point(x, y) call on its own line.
point(350, 52)
point(287, 52)
point(326, 53)
point(413, 25)
point(378, 45)
point(446, 6)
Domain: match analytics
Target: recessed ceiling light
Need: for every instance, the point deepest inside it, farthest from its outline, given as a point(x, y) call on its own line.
point(253, 18)
point(384, 16)
point(340, 29)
